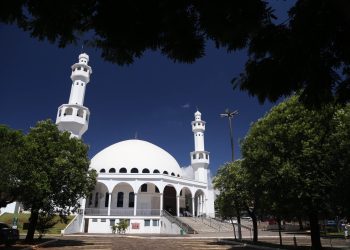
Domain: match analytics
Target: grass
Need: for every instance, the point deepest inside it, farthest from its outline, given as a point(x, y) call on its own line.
point(24, 217)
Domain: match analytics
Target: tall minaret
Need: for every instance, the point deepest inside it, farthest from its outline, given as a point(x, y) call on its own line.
point(74, 117)
point(199, 157)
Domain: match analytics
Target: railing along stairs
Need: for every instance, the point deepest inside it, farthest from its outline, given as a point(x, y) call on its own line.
point(175, 220)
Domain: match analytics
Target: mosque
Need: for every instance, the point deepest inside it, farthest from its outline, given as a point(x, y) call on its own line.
point(137, 180)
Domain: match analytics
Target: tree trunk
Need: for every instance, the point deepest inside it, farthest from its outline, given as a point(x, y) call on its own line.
point(301, 227)
point(33, 221)
point(239, 227)
point(255, 227)
point(234, 229)
point(315, 231)
point(279, 230)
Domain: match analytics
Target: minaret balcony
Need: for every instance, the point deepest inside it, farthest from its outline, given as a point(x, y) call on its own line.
point(200, 157)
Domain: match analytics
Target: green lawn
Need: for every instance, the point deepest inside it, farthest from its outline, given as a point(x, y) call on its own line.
point(23, 218)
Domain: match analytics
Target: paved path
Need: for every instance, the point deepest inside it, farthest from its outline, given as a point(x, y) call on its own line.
point(116, 242)
point(129, 243)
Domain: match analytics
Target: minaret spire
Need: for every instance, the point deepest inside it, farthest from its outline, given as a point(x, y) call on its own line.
point(199, 157)
point(74, 117)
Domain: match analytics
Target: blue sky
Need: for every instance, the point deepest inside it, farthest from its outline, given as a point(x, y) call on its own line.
point(154, 97)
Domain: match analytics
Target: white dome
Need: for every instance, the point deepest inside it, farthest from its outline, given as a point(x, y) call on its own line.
point(137, 154)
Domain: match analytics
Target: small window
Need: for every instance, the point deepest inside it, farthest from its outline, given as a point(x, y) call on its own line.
point(156, 189)
point(134, 170)
point(112, 170)
point(68, 111)
point(94, 220)
point(82, 84)
point(87, 117)
point(172, 174)
point(103, 220)
point(144, 188)
point(147, 223)
point(131, 199)
point(76, 83)
point(200, 156)
point(178, 175)
point(155, 223)
point(120, 199)
point(85, 69)
point(194, 156)
point(165, 172)
point(112, 222)
point(207, 156)
point(156, 171)
point(80, 113)
point(145, 171)
point(59, 113)
point(73, 69)
point(103, 170)
point(79, 68)
point(122, 170)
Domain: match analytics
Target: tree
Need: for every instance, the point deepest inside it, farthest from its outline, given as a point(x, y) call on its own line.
point(54, 173)
point(295, 150)
point(308, 52)
point(11, 142)
point(232, 198)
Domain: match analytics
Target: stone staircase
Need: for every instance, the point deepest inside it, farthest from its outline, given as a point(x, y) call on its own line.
point(208, 225)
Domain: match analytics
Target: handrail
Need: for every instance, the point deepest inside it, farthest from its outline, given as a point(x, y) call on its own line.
point(179, 223)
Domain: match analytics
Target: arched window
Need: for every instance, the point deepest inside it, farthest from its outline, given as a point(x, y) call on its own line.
point(156, 189)
point(145, 171)
point(194, 156)
point(144, 188)
point(172, 174)
point(122, 170)
point(207, 156)
point(178, 175)
point(156, 171)
point(107, 199)
point(103, 170)
point(200, 156)
point(131, 199)
point(96, 199)
point(120, 199)
point(111, 170)
point(90, 199)
point(165, 172)
point(68, 111)
point(80, 113)
point(134, 170)
point(87, 117)
point(59, 112)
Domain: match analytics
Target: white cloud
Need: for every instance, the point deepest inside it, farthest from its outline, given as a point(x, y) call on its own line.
point(187, 172)
point(185, 106)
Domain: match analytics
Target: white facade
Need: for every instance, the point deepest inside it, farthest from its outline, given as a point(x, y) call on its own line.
point(137, 180)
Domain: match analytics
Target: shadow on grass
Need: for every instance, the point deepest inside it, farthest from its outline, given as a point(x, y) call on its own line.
point(20, 244)
point(67, 243)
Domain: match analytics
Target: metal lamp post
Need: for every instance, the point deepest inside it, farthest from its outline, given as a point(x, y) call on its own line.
point(230, 114)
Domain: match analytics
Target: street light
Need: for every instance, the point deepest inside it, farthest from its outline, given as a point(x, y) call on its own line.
point(230, 114)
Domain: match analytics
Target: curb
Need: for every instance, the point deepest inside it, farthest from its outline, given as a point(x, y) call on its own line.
point(40, 245)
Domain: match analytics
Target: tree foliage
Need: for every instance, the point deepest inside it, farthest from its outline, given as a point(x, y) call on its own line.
point(302, 159)
point(309, 51)
point(11, 142)
point(51, 172)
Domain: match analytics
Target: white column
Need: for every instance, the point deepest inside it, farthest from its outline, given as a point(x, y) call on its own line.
point(135, 204)
point(193, 210)
point(177, 205)
point(161, 203)
point(109, 203)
